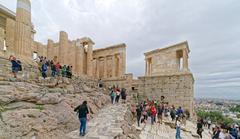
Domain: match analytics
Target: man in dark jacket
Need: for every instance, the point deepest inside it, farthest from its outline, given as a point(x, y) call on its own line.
point(139, 114)
point(82, 111)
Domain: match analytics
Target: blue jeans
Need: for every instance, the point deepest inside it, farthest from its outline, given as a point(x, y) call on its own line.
point(178, 133)
point(153, 119)
point(53, 73)
point(83, 125)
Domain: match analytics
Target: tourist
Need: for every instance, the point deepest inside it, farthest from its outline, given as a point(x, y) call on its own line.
point(117, 94)
point(209, 123)
point(160, 109)
point(145, 115)
point(123, 95)
point(69, 72)
point(233, 131)
point(139, 114)
point(200, 127)
point(64, 71)
point(54, 70)
point(82, 111)
point(179, 112)
point(44, 70)
point(153, 113)
point(15, 66)
point(178, 128)
point(113, 95)
point(216, 133)
point(173, 113)
point(58, 67)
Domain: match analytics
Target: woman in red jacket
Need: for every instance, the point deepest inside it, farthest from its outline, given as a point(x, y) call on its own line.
point(153, 114)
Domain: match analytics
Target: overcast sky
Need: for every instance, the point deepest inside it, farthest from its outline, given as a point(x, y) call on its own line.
point(211, 27)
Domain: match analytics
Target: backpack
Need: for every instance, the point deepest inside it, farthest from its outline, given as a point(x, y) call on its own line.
point(44, 67)
point(19, 65)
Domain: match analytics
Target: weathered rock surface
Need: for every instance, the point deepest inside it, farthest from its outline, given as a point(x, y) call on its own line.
point(44, 108)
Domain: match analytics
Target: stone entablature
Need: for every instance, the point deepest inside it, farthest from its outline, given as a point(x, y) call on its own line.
point(172, 59)
point(110, 62)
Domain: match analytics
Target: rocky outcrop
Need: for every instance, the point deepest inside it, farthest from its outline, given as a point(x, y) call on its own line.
point(44, 108)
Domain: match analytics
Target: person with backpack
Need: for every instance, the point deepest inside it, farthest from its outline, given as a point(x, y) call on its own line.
point(173, 113)
point(82, 111)
point(64, 71)
point(112, 95)
point(15, 66)
point(179, 112)
point(200, 128)
point(44, 70)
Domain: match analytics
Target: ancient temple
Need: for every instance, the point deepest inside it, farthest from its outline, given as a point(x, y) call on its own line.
point(167, 74)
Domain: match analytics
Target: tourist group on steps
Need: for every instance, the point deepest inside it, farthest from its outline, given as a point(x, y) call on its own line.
point(153, 111)
point(46, 67)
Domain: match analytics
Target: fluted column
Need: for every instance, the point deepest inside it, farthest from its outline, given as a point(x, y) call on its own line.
point(105, 67)
point(63, 44)
point(146, 67)
point(185, 60)
point(120, 65)
point(50, 49)
point(113, 66)
point(98, 66)
point(89, 59)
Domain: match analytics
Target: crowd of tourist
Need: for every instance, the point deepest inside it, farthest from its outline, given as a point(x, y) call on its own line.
point(154, 111)
point(45, 66)
point(57, 69)
point(116, 93)
point(219, 131)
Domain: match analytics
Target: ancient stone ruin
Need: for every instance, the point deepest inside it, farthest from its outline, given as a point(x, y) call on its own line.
point(166, 73)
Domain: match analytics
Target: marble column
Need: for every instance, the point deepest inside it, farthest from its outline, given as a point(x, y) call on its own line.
point(63, 46)
point(89, 59)
point(121, 68)
point(50, 49)
point(79, 59)
point(98, 67)
point(105, 67)
point(113, 66)
point(146, 67)
point(185, 60)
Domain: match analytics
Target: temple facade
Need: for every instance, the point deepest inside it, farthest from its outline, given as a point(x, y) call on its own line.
point(167, 74)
